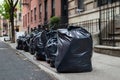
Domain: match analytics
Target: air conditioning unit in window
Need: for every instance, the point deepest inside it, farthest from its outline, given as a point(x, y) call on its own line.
point(79, 10)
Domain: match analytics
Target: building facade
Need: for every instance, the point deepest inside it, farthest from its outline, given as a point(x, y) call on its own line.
point(99, 17)
point(18, 20)
point(82, 10)
point(102, 19)
point(39, 12)
point(4, 28)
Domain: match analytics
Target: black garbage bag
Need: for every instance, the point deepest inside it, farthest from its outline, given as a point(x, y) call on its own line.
point(26, 41)
point(74, 50)
point(44, 39)
point(39, 51)
point(20, 43)
point(32, 43)
point(51, 47)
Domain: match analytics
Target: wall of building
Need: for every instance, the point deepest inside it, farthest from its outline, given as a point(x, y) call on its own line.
point(25, 10)
point(31, 4)
point(18, 20)
point(49, 9)
point(90, 11)
point(35, 4)
point(3, 27)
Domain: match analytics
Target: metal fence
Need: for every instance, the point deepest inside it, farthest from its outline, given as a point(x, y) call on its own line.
point(107, 25)
point(109, 21)
point(91, 26)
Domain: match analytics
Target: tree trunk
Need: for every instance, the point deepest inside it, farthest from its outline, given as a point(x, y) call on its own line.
point(12, 25)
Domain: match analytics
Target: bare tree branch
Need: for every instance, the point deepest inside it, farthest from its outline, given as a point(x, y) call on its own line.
point(8, 1)
point(15, 3)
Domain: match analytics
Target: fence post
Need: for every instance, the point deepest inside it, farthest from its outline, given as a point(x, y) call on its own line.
point(100, 35)
point(113, 26)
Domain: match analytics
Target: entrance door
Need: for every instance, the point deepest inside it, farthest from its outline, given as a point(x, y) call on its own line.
point(64, 11)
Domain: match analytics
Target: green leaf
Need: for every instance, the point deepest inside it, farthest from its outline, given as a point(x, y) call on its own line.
point(5, 10)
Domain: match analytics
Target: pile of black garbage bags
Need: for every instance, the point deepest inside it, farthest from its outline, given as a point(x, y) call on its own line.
point(68, 50)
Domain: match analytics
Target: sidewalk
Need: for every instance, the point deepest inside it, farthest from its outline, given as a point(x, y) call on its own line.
point(5, 37)
point(105, 67)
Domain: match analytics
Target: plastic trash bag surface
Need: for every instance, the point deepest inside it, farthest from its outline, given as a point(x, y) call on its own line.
point(74, 50)
point(51, 47)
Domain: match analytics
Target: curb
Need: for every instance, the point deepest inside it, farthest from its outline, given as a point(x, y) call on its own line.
point(41, 66)
point(56, 75)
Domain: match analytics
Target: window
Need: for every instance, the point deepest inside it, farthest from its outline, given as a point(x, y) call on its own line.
point(31, 15)
point(64, 8)
point(20, 15)
point(46, 10)
point(17, 29)
point(20, 5)
point(53, 8)
point(114, 0)
point(103, 2)
point(26, 20)
point(35, 14)
point(40, 10)
point(80, 4)
point(28, 17)
point(23, 22)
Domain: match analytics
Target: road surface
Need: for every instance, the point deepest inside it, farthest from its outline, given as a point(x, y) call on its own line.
point(16, 67)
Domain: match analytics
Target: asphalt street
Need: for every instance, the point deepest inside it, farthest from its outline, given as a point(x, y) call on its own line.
point(16, 67)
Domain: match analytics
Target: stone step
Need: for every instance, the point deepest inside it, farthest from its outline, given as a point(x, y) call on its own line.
point(114, 34)
point(117, 27)
point(109, 50)
point(116, 39)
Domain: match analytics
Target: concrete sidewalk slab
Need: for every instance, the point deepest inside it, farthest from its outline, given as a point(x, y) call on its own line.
point(105, 67)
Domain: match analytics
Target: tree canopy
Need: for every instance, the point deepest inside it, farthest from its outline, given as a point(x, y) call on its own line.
point(7, 10)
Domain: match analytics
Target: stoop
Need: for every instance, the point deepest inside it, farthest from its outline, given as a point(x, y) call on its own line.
point(109, 50)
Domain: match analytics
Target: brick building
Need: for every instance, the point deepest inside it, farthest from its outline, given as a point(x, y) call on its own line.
point(3, 27)
point(38, 12)
point(18, 19)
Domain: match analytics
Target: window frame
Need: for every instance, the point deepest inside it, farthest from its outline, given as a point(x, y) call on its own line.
point(31, 16)
point(53, 8)
point(104, 3)
point(28, 17)
point(35, 14)
point(40, 11)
